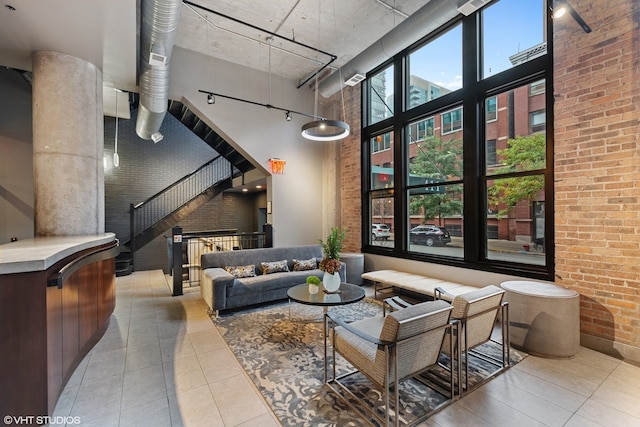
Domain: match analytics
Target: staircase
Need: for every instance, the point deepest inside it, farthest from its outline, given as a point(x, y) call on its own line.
point(168, 207)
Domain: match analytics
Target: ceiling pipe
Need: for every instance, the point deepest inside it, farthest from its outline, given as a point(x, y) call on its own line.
point(427, 19)
point(157, 34)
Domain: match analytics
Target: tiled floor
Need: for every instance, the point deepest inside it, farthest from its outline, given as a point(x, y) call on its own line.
point(162, 363)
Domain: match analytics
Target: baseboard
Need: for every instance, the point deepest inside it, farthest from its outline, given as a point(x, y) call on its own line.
point(619, 350)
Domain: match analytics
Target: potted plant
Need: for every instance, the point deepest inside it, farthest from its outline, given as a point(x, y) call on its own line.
point(330, 264)
point(314, 284)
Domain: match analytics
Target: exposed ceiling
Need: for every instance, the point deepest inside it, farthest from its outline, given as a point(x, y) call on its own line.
point(105, 32)
point(335, 27)
point(263, 34)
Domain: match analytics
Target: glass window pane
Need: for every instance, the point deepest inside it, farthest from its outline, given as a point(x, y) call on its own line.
point(513, 33)
point(435, 220)
point(451, 121)
point(382, 220)
point(433, 159)
point(517, 132)
point(381, 161)
point(435, 69)
point(515, 220)
point(491, 109)
point(381, 95)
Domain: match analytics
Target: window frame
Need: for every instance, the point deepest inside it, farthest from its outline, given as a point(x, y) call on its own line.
point(471, 100)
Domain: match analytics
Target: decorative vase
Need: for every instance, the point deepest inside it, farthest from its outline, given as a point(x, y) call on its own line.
point(313, 289)
point(331, 282)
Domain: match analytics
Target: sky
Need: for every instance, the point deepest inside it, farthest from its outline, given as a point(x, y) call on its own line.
point(510, 26)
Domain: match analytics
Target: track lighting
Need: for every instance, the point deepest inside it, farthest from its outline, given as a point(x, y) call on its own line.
point(561, 7)
point(211, 99)
point(287, 115)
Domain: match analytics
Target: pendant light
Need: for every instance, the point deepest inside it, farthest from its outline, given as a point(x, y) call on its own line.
point(116, 158)
point(323, 129)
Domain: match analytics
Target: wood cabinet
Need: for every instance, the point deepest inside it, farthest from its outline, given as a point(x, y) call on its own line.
point(47, 327)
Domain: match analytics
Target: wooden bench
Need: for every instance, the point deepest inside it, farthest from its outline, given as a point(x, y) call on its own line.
point(385, 280)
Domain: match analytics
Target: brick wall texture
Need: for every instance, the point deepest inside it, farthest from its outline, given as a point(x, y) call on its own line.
point(597, 166)
point(351, 169)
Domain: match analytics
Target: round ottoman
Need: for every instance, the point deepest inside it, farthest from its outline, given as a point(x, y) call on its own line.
point(355, 266)
point(544, 319)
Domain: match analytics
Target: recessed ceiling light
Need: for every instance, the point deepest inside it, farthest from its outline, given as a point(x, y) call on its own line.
point(244, 190)
point(258, 186)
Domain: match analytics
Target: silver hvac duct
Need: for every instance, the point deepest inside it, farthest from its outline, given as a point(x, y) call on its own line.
point(157, 33)
point(428, 18)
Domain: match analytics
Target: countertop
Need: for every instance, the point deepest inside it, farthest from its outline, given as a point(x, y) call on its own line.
point(40, 253)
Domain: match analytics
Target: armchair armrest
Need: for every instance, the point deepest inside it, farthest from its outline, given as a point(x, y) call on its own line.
point(395, 303)
point(358, 332)
point(438, 292)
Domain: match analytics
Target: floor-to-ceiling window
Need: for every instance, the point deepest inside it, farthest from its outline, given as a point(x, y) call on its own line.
point(456, 143)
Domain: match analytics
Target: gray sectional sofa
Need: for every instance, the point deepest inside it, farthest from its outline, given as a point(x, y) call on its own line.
point(222, 290)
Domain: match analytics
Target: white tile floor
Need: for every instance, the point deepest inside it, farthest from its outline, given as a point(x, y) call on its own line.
point(162, 363)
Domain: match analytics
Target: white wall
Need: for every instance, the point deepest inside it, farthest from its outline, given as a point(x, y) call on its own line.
point(260, 133)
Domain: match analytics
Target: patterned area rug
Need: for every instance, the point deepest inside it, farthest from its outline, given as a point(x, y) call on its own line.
point(280, 346)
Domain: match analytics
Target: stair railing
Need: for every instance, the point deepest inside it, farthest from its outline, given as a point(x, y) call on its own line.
point(146, 214)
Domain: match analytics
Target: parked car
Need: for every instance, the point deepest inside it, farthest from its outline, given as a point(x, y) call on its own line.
point(380, 231)
point(429, 235)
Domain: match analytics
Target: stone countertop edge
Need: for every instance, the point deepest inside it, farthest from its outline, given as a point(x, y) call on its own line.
point(40, 253)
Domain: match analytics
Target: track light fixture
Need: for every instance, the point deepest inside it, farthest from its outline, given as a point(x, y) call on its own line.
point(561, 7)
point(288, 112)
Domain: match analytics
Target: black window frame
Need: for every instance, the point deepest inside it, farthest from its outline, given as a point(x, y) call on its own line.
point(472, 98)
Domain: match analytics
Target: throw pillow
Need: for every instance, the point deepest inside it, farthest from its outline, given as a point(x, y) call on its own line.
point(240, 271)
point(304, 264)
point(274, 267)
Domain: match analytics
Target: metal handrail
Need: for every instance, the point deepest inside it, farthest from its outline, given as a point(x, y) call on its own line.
point(184, 178)
point(153, 210)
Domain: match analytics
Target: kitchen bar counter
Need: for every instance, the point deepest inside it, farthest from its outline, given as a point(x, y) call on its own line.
point(57, 295)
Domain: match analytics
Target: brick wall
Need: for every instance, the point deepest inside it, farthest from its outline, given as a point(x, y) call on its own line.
point(597, 170)
point(350, 166)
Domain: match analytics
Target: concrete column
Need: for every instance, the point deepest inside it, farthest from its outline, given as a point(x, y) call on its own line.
point(68, 140)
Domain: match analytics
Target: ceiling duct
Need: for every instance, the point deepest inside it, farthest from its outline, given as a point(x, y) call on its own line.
point(157, 34)
point(428, 18)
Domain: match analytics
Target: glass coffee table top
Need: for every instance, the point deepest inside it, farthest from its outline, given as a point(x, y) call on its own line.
point(347, 294)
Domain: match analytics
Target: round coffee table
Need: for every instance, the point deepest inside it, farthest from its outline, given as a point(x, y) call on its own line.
point(347, 294)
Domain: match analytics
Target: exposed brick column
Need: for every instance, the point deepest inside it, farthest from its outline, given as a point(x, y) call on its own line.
point(597, 170)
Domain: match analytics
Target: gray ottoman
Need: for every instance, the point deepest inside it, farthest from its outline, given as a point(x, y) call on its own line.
point(355, 266)
point(544, 319)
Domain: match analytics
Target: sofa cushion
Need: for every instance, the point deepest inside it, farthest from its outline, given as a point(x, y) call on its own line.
point(274, 267)
point(304, 264)
point(270, 282)
point(241, 270)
